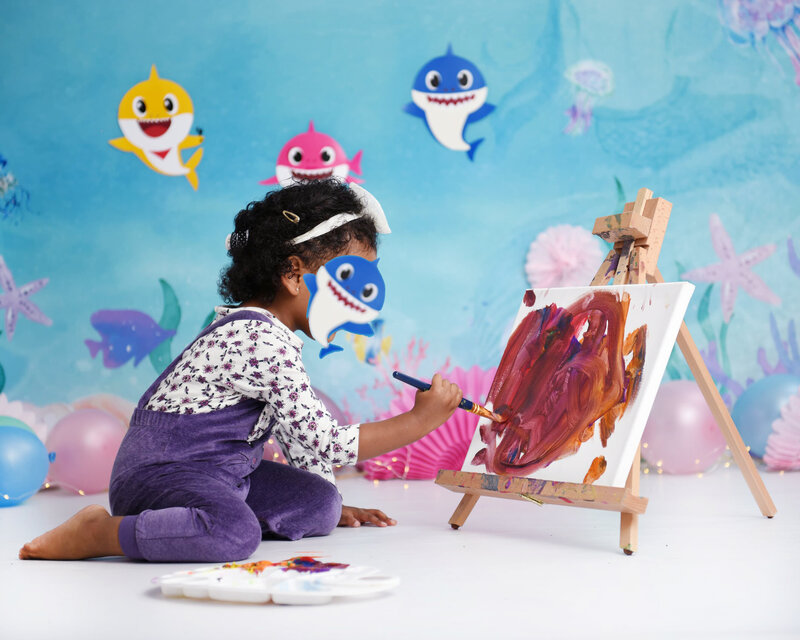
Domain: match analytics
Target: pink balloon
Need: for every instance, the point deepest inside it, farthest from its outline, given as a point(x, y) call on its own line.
point(681, 435)
point(85, 443)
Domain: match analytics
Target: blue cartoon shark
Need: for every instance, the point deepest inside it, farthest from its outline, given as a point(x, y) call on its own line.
point(449, 93)
point(346, 294)
point(125, 334)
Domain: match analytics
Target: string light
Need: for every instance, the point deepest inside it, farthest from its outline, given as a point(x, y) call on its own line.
point(646, 470)
point(375, 483)
point(405, 486)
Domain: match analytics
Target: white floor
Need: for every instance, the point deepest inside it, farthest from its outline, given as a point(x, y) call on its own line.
point(709, 565)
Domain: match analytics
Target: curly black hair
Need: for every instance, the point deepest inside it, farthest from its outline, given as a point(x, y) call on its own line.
point(260, 246)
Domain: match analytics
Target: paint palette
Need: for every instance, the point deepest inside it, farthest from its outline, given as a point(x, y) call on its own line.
point(306, 582)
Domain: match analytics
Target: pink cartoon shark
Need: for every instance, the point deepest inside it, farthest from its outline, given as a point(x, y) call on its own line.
point(313, 156)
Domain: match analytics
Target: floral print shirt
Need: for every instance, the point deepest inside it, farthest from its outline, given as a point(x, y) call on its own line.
point(260, 359)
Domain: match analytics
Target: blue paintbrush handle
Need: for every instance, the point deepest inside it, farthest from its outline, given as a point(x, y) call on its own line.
point(424, 386)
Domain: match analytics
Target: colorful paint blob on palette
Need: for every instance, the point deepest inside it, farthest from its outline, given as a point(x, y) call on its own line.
point(563, 370)
point(303, 564)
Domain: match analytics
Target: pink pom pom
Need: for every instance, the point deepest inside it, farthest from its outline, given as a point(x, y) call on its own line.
point(783, 444)
point(563, 256)
point(444, 448)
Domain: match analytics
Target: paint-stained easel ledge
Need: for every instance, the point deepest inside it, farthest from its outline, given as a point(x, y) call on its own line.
point(543, 491)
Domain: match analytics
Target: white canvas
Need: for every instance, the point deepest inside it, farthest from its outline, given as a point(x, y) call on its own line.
point(661, 308)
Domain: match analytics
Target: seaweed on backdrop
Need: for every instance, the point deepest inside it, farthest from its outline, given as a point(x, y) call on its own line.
point(787, 350)
point(161, 356)
point(621, 199)
point(788, 353)
point(794, 261)
point(2, 375)
point(208, 319)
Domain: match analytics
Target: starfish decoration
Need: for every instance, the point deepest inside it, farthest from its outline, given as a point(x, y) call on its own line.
point(16, 300)
point(733, 271)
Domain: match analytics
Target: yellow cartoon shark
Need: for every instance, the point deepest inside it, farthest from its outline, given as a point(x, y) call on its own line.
point(155, 117)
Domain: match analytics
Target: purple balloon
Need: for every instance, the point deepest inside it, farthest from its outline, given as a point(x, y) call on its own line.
point(85, 443)
point(681, 435)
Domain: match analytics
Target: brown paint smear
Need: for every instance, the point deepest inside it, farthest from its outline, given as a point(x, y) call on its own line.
point(555, 385)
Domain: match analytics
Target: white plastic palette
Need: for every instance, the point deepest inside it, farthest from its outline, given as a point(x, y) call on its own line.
point(258, 584)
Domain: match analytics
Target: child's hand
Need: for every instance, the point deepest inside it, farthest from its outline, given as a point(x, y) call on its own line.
point(355, 517)
point(435, 406)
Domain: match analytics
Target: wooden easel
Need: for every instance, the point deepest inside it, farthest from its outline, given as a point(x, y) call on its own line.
point(637, 234)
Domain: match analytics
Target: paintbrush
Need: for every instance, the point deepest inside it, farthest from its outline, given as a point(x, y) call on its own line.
point(467, 405)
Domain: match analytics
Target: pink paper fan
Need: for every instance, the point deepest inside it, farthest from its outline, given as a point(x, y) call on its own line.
point(444, 448)
point(783, 444)
point(562, 256)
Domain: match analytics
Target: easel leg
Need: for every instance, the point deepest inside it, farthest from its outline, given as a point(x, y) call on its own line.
point(463, 510)
point(725, 422)
point(629, 522)
point(723, 418)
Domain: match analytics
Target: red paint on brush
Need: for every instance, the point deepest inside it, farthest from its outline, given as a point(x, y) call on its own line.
point(563, 370)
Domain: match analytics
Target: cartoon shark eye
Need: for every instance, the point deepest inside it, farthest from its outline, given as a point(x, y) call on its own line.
point(295, 155)
point(433, 79)
point(171, 104)
point(369, 292)
point(327, 155)
point(344, 272)
point(465, 79)
point(139, 106)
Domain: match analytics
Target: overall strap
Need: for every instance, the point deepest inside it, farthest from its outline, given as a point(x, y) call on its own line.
point(234, 315)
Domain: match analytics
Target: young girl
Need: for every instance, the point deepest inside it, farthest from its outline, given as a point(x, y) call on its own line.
point(189, 482)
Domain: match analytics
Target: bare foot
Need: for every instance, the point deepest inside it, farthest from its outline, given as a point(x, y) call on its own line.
point(90, 533)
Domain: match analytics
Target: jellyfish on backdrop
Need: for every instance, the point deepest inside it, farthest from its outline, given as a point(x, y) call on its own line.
point(590, 80)
point(753, 21)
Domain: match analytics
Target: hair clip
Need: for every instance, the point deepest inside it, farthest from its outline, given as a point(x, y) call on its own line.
point(291, 217)
point(237, 239)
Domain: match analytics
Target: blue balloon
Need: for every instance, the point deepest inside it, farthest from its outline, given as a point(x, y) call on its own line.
point(24, 463)
point(759, 406)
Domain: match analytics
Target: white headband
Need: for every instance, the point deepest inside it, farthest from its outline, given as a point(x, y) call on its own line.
point(371, 208)
point(369, 204)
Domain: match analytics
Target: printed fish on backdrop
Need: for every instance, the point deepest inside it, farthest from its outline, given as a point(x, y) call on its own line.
point(565, 372)
point(449, 94)
point(155, 117)
point(127, 334)
point(313, 155)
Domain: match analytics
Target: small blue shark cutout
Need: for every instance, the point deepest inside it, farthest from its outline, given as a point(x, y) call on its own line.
point(346, 294)
point(449, 93)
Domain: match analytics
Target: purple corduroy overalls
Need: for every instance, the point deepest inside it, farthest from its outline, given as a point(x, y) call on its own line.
point(192, 488)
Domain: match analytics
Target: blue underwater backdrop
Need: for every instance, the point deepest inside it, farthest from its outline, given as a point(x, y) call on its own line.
point(592, 100)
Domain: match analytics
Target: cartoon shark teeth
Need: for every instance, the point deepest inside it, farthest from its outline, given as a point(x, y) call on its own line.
point(155, 127)
point(311, 174)
point(345, 298)
point(452, 100)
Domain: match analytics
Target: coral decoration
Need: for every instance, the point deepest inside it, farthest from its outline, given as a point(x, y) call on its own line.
point(783, 444)
point(562, 256)
point(444, 448)
point(24, 414)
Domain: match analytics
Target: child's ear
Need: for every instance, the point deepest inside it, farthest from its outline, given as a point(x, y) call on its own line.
point(292, 279)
